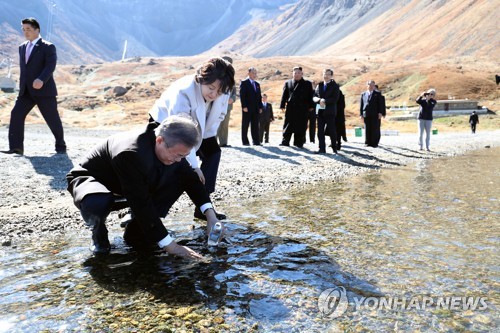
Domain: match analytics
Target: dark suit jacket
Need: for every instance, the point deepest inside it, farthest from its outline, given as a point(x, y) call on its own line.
point(41, 65)
point(126, 164)
point(267, 112)
point(249, 97)
point(297, 99)
point(330, 94)
point(374, 106)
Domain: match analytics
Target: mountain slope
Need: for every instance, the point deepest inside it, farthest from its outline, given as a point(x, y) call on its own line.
point(396, 29)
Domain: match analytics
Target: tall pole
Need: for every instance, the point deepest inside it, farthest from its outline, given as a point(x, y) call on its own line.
point(124, 50)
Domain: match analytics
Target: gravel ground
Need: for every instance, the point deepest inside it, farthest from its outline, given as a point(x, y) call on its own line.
point(34, 200)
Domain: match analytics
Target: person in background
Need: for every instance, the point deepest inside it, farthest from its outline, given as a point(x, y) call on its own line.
point(204, 96)
point(312, 119)
point(327, 96)
point(148, 168)
point(427, 103)
point(371, 110)
point(340, 121)
point(223, 131)
point(297, 103)
point(473, 121)
point(265, 119)
point(37, 62)
point(251, 105)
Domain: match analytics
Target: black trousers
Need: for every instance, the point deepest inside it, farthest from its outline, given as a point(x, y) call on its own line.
point(210, 155)
point(250, 118)
point(296, 125)
point(329, 122)
point(95, 209)
point(48, 109)
point(264, 125)
point(372, 131)
point(312, 126)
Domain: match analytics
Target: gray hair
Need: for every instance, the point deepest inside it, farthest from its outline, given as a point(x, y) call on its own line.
point(179, 129)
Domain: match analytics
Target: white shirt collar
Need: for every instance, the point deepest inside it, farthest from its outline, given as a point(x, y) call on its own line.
point(36, 40)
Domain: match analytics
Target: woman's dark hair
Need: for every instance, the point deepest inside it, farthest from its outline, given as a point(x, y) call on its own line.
point(31, 21)
point(216, 69)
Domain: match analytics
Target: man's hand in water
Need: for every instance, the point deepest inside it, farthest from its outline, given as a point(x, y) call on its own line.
point(182, 251)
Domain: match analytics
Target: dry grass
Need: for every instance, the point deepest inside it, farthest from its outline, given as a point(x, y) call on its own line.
point(86, 99)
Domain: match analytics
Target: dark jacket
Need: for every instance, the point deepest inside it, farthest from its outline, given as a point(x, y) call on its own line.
point(250, 98)
point(426, 108)
point(374, 105)
point(297, 97)
point(126, 164)
point(331, 95)
point(267, 113)
point(41, 65)
point(474, 119)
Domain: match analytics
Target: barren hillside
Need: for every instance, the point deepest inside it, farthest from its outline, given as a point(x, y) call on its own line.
point(86, 96)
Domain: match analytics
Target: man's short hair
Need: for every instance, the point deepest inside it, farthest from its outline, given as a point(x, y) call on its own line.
point(179, 129)
point(31, 21)
point(299, 68)
point(251, 69)
point(369, 82)
point(328, 70)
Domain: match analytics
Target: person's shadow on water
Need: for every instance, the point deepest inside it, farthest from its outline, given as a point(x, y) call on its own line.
point(55, 166)
point(252, 275)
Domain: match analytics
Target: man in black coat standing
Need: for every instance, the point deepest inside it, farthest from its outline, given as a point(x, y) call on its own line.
point(297, 103)
point(473, 121)
point(150, 171)
point(37, 60)
point(371, 109)
point(251, 104)
point(327, 96)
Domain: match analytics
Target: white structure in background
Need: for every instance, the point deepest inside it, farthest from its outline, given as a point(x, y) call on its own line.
point(124, 50)
point(6, 82)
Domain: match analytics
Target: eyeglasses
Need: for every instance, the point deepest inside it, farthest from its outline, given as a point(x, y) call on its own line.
point(176, 155)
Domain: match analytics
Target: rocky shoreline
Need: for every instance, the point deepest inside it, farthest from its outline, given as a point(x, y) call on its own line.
point(34, 201)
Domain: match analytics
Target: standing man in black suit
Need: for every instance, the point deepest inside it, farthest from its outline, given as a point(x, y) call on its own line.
point(297, 103)
point(371, 109)
point(37, 59)
point(265, 119)
point(149, 169)
point(251, 103)
point(327, 96)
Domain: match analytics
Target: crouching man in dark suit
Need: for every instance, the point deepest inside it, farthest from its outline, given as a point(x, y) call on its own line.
point(150, 171)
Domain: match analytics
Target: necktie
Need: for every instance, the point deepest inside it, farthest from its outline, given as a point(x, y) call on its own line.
point(28, 51)
point(254, 86)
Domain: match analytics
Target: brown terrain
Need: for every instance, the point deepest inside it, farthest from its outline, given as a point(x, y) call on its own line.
point(87, 100)
point(406, 48)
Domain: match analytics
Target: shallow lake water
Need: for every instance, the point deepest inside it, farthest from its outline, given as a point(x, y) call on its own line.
point(424, 233)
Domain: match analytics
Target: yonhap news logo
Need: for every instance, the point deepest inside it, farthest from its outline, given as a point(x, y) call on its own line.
point(333, 303)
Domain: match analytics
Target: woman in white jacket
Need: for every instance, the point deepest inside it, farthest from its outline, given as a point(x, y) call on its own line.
point(204, 96)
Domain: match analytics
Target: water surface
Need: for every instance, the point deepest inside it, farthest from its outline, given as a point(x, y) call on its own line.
point(428, 229)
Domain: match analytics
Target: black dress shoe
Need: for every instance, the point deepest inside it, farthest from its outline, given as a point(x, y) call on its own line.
point(246, 144)
point(320, 152)
point(199, 215)
point(285, 144)
point(97, 249)
point(13, 151)
point(225, 146)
